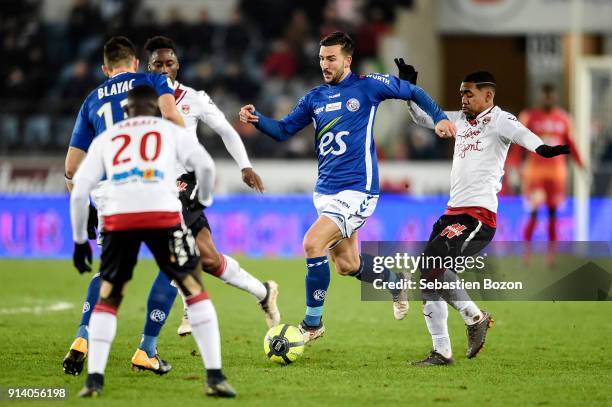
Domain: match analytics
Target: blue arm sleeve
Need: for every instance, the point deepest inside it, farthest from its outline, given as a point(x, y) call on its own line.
point(272, 128)
point(429, 106)
point(83, 132)
point(161, 83)
point(382, 87)
point(282, 130)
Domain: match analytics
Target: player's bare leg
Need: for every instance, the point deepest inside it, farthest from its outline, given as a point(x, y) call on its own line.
point(348, 262)
point(229, 271)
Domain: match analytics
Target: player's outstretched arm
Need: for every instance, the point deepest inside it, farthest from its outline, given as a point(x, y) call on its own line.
point(74, 157)
point(216, 120)
point(253, 180)
point(425, 105)
point(279, 130)
point(167, 107)
point(547, 151)
point(270, 127)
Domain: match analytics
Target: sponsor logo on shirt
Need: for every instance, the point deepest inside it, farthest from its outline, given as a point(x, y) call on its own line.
point(352, 104)
point(318, 110)
point(337, 95)
point(378, 77)
point(147, 175)
point(330, 107)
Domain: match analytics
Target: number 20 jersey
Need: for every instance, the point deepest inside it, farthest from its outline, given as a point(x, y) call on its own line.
point(138, 156)
point(103, 107)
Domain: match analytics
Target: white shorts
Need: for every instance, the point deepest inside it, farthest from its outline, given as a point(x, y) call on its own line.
point(348, 209)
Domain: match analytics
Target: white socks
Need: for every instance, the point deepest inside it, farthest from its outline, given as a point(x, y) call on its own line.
point(468, 310)
point(240, 278)
point(436, 317)
point(205, 329)
point(102, 330)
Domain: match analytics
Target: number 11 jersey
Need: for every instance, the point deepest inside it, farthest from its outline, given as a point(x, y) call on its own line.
point(103, 107)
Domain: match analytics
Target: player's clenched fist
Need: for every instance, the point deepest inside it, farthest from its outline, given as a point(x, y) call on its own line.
point(445, 129)
point(247, 114)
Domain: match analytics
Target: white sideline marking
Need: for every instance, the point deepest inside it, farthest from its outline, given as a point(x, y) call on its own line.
point(38, 309)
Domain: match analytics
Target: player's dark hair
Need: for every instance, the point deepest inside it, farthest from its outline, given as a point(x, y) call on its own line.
point(346, 43)
point(159, 42)
point(482, 79)
point(142, 100)
point(118, 50)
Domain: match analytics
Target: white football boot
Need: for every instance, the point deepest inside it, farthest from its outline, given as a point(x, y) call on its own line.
point(184, 328)
point(268, 304)
point(311, 333)
point(400, 300)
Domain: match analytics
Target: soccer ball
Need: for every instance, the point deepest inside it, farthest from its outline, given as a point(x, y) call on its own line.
point(283, 344)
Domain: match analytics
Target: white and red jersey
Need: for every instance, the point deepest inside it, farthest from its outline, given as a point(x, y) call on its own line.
point(196, 106)
point(481, 147)
point(138, 157)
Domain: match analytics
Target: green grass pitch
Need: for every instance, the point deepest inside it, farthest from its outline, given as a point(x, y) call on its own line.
point(542, 354)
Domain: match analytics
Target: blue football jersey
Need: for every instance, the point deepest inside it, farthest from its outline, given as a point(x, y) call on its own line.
point(103, 107)
point(343, 117)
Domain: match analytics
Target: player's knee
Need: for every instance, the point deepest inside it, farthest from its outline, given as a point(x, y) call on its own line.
point(312, 247)
point(111, 294)
point(190, 285)
point(211, 263)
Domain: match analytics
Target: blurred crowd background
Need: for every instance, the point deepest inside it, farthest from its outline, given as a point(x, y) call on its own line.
point(265, 52)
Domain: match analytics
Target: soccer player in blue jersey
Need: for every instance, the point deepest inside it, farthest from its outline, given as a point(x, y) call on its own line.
point(343, 111)
point(103, 107)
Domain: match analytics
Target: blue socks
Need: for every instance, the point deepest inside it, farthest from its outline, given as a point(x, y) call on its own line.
point(93, 295)
point(317, 282)
point(159, 304)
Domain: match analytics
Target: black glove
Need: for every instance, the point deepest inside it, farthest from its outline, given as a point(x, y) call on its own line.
point(82, 257)
point(552, 151)
point(406, 72)
point(92, 222)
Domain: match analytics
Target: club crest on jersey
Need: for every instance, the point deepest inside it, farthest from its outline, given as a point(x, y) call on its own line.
point(185, 109)
point(330, 107)
point(352, 105)
point(453, 230)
